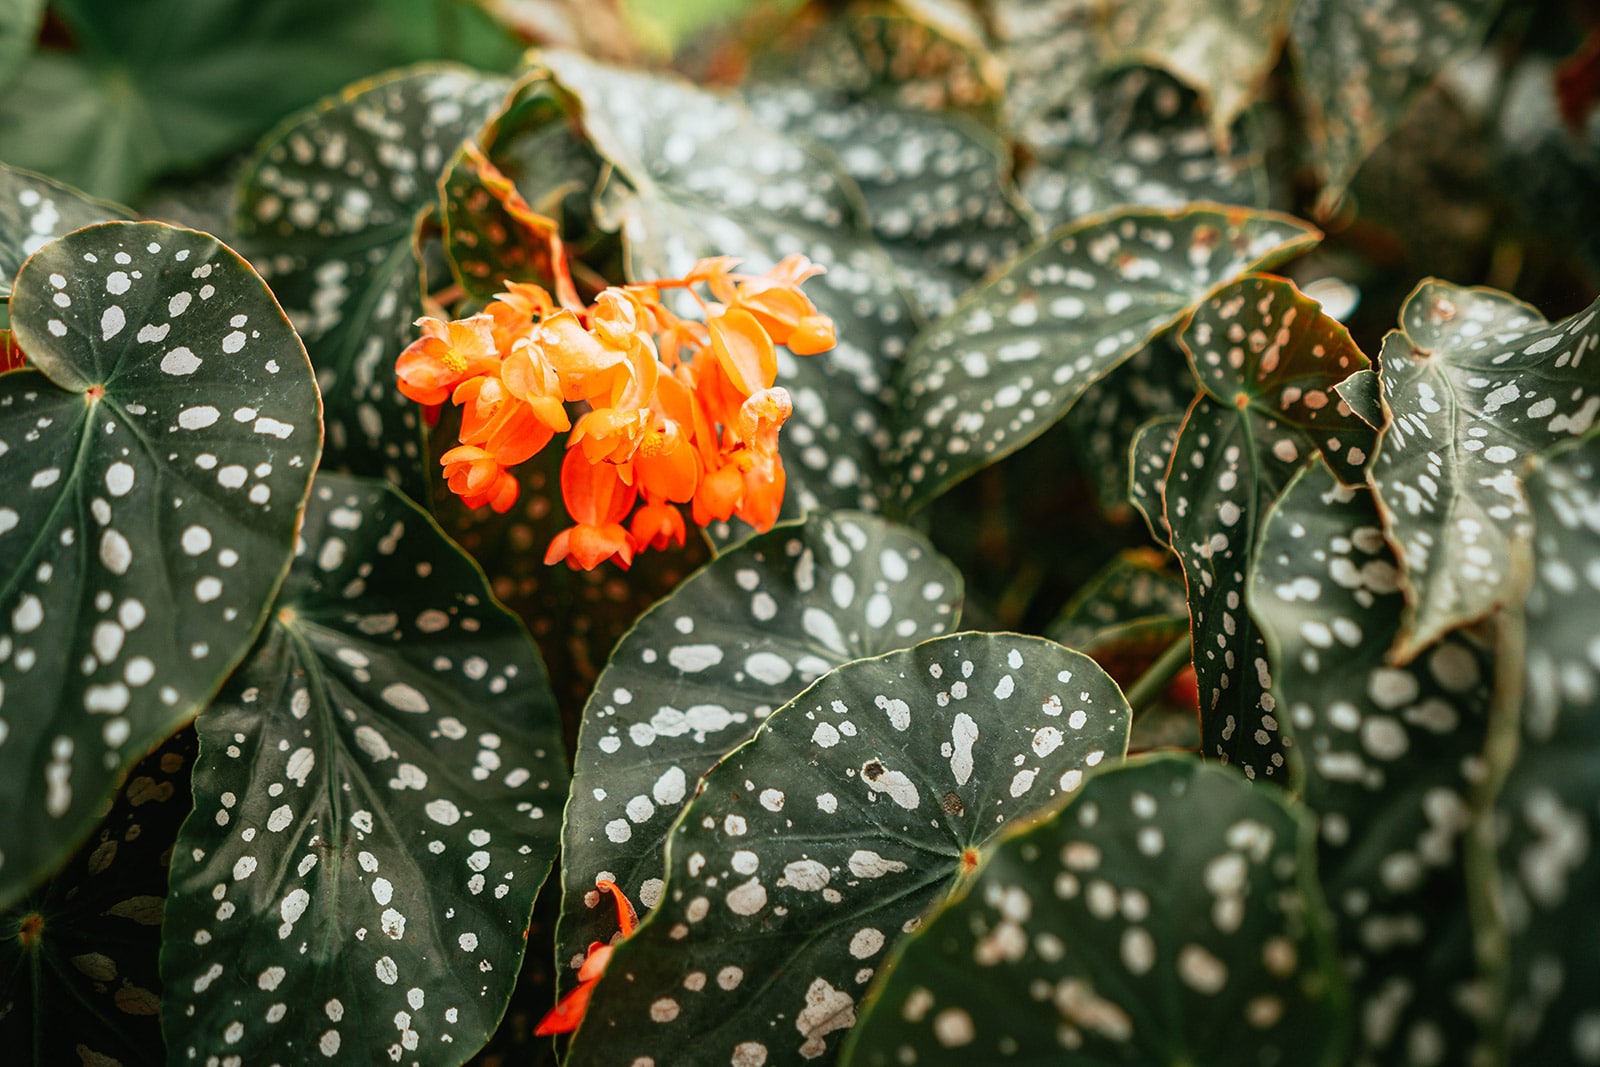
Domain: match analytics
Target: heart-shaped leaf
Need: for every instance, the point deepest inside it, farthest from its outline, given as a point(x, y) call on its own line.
point(1388, 758)
point(157, 456)
point(1268, 360)
point(937, 187)
point(811, 847)
point(1223, 50)
point(1360, 71)
point(1019, 351)
point(1151, 459)
point(701, 670)
point(35, 211)
point(1168, 914)
point(375, 807)
point(78, 975)
point(694, 174)
point(1475, 384)
point(1549, 872)
point(1051, 53)
point(328, 207)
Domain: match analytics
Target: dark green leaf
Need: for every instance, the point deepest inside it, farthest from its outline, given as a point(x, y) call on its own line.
point(1364, 393)
point(157, 457)
point(78, 974)
point(1549, 870)
point(19, 26)
point(35, 211)
point(328, 207)
point(1388, 758)
point(695, 174)
point(1168, 914)
point(1361, 68)
point(1018, 352)
point(811, 847)
point(375, 807)
point(1151, 458)
point(1475, 384)
point(703, 668)
point(1051, 50)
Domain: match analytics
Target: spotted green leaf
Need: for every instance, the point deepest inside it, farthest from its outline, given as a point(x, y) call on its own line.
point(328, 207)
point(1150, 456)
point(34, 210)
point(78, 975)
point(1364, 393)
point(1168, 914)
point(1267, 359)
point(1548, 868)
point(1051, 50)
point(1019, 351)
point(157, 453)
point(1154, 383)
point(810, 848)
point(1388, 759)
point(937, 187)
point(375, 807)
point(1360, 69)
point(701, 670)
point(695, 174)
point(1475, 383)
point(1224, 51)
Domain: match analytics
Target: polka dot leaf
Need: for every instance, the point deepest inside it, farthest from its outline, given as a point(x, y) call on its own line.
point(34, 210)
point(695, 174)
point(1360, 71)
point(1224, 50)
point(1150, 457)
point(158, 450)
point(375, 807)
point(1268, 360)
point(1475, 383)
point(1019, 351)
point(1167, 914)
point(1386, 757)
point(812, 847)
point(937, 187)
point(1548, 867)
point(78, 956)
point(328, 207)
point(703, 668)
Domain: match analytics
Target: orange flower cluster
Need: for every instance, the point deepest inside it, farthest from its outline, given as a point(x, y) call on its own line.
point(669, 410)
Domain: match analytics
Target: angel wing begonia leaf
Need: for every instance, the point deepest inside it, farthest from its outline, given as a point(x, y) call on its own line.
point(1475, 383)
point(375, 807)
point(814, 845)
point(1150, 457)
point(1168, 914)
point(157, 453)
point(703, 668)
point(328, 207)
point(1388, 759)
point(1020, 350)
point(35, 210)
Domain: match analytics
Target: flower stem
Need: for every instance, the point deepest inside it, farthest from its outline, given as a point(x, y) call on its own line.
point(1143, 693)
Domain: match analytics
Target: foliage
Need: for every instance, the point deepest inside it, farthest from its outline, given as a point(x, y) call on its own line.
point(1154, 637)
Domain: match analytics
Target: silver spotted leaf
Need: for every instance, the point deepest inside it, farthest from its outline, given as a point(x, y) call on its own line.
point(1224, 49)
point(375, 807)
point(1019, 351)
point(1268, 360)
point(695, 174)
point(1363, 392)
point(78, 957)
point(1155, 382)
point(1151, 458)
point(937, 186)
point(1168, 914)
point(812, 847)
point(1361, 67)
point(1051, 50)
point(35, 210)
point(328, 210)
point(1475, 384)
point(1548, 830)
point(157, 454)
point(1388, 759)
point(701, 670)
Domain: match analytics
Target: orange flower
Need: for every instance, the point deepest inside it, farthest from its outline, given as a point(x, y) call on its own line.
point(478, 479)
point(658, 524)
point(599, 499)
point(744, 350)
point(447, 354)
point(568, 1013)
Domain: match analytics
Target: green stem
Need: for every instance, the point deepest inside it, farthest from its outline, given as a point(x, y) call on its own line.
point(1143, 693)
